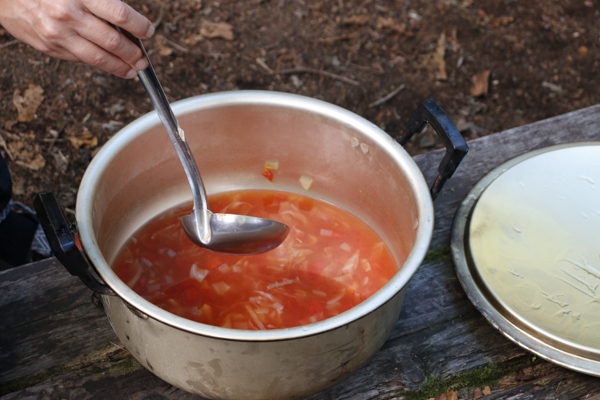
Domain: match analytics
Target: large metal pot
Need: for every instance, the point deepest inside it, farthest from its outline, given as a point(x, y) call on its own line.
point(355, 165)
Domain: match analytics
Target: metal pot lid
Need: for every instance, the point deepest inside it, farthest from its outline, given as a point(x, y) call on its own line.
point(526, 246)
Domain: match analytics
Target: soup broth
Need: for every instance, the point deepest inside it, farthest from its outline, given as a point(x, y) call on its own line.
point(330, 262)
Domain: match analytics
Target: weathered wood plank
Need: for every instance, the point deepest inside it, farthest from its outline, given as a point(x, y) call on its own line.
point(47, 319)
point(400, 366)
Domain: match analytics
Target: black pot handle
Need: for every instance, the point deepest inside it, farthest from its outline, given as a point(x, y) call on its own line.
point(456, 147)
point(60, 236)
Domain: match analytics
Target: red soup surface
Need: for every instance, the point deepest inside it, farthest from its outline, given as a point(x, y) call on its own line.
point(330, 262)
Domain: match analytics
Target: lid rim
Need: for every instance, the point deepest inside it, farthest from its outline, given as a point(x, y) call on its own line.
point(570, 355)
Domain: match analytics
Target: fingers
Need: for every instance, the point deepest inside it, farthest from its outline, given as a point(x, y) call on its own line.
point(76, 30)
point(87, 52)
point(122, 15)
point(113, 42)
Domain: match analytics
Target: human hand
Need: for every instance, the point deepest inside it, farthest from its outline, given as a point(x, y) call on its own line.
point(75, 30)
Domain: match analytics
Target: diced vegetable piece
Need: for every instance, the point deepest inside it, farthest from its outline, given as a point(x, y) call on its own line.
point(267, 174)
point(272, 164)
point(221, 288)
point(198, 273)
point(306, 181)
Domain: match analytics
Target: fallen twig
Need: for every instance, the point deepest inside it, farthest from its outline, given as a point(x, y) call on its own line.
point(5, 147)
point(176, 46)
point(7, 44)
point(320, 72)
point(261, 63)
point(388, 97)
point(161, 12)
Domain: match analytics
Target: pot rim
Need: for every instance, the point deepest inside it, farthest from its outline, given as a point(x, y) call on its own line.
point(110, 150)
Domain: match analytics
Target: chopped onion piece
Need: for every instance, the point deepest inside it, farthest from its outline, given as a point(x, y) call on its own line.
point(350, 265)
point(272, 164)
point(154, 287)
point(171, 253)
point(336, 298)
point(224, 268)
point(306, 181)
point(345, 246)
point(146, 261)
point(326, 232)
point(365, 264)
point(319, 293)
point(135, 278)
point(221, 287)
point(354, 142)
point(197, 273)
point(255, 318)
point(282, 283)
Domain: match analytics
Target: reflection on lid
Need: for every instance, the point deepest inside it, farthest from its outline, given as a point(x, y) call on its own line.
point(535, 240)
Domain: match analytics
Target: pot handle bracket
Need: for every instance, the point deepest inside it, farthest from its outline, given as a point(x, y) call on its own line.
point(62, 242)
point(456, 147)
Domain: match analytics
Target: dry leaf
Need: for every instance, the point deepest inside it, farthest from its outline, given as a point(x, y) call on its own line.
point(161, 46)
point(5, 147)
point(480, 83)
point(435, 60)
point(38, 162)
point(85, 140)
point(25, 156)
point(501, 21)
point(356, 20)
point(389, 23)
point(487, 391)
point(477, 394)
point(454, 40)
point(212, 30)
point(9, 124)
point(62, 163)
point(451, 395)
point(196, 4)
point(28, 103)
point(193, 40)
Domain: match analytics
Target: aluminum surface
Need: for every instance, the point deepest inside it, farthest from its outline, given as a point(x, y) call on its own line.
point(355, 165)
point(525, 245)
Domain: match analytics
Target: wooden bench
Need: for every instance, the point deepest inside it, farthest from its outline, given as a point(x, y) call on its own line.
point(55, 343)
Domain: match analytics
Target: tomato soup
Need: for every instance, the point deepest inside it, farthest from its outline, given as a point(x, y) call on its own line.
point(330, 262)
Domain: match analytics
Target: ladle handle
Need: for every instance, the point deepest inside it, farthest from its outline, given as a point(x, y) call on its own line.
point(456, 147)
point(165, 113)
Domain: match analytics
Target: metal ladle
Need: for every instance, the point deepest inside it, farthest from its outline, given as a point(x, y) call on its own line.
point(222, 233)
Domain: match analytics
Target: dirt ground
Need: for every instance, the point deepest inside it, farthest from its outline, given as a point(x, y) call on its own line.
point(490, 64)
